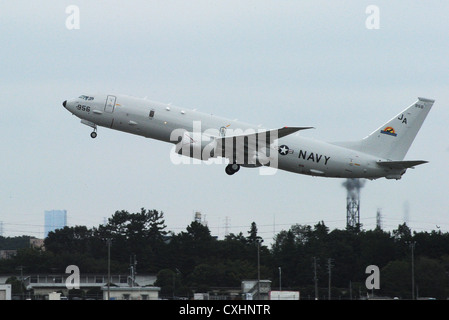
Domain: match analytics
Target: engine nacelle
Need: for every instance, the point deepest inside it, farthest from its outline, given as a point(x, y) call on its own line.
point(196, 145)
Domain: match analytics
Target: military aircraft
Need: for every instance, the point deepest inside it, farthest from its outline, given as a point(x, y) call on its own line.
point(208, 137)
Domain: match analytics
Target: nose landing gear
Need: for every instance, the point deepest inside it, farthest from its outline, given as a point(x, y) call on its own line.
point(232, 168)
point(93, 134)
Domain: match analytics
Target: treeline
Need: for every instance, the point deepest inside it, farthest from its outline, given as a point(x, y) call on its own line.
point(195, 261)
point(12, 243)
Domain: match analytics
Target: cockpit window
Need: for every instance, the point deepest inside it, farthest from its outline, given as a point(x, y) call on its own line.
point(87, 98)
point(151, 114)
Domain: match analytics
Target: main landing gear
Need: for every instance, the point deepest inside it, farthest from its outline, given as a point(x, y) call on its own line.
point(232, 168)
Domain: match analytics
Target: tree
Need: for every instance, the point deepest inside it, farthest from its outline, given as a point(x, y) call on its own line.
point(140, 234)
point(188, 249)
point(376, 247)
point(302, 233)
point(233, 247)
point(36, 260)
point(194, 259)
point(320, 231)
point(170, 283)
point(285, 252)
point(253, 237)
point(68, 240)
point(402, 233)
point(146, 224)
point(14, 243)
point(198, 232)
point(402, 237)
point(431, 278)
point(395, 280)
point(205, 276)
point(343, 250)
point(17, 286)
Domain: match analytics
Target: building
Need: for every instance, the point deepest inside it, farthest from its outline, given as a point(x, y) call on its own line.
point(5, 292)
point(54, 219)
point(37, 243)
point(91, 286)
point(7, 254)
point(12, 251)
point(284, 295)
point(131, 293)
point(250, 289)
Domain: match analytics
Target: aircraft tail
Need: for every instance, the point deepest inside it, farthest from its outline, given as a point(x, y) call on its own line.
point(392, 140)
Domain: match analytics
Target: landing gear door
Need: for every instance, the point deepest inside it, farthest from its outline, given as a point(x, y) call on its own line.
point(110, 104)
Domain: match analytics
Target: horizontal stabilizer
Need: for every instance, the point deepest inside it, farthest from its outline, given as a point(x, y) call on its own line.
point(400, 164)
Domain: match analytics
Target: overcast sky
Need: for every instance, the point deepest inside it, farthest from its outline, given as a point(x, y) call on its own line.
point(276, 63)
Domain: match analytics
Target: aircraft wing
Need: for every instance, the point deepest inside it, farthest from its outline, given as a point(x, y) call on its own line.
point(270, 135)
point(249, 146)
point(285, 131)
point(400, 164)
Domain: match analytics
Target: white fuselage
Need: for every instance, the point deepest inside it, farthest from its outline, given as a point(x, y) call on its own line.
point(157, 121)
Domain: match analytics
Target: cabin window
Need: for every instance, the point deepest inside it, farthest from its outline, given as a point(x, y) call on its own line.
point(151, 114)
point(87, 98)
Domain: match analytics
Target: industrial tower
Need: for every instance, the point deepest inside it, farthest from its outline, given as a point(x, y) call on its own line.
point(353, 187)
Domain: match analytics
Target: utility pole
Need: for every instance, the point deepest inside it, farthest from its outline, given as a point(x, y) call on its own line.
point(133, 263)
point(174, 284)
point(176, 273)
point(315, 279)
point(109, 267)
point(280, 279)
point(21, 281)
point(258, 268)
point(350, 290)
point(412, 246)
point(329, 267)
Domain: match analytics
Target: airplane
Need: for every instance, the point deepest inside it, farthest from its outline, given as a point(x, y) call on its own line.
point(205, 136)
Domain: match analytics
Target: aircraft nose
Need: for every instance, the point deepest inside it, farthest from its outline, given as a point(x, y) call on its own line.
point(64, 103)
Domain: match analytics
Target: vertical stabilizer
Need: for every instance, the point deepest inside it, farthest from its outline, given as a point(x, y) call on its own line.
point(393, 139)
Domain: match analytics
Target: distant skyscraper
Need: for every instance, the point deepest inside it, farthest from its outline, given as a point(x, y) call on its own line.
point(54, 219)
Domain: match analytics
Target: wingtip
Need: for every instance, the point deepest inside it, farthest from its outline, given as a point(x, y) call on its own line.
point(426, 99)
point(298, 128)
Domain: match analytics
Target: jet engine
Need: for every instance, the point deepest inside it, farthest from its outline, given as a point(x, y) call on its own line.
point(196, 145)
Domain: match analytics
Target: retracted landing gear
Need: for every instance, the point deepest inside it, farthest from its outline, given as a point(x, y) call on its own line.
point(232, 168)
